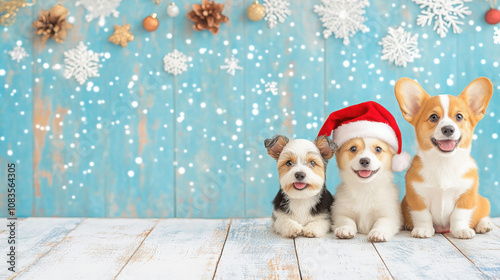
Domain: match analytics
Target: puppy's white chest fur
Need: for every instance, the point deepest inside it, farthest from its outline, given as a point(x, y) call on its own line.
point(365, 207)
point(443, 182)
point(300, 209)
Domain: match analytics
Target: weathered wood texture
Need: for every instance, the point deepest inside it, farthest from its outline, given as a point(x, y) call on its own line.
point(252, 251)
point(324, 258)
point(35, 237)
point(407, 257)
point(179, 249)
point(235, 249)
point(139, 142)
point(96, 249)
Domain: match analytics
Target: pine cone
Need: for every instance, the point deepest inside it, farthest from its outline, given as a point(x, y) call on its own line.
point(208, 15)
point(53, 24)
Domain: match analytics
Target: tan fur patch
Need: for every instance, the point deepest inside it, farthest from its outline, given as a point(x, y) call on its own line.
point(344, 154)
point(414, 201)
point(386, 155)
point(276, 149)
point(466, 126)
point(424, 126)
point(282, 167)
point(318, 168)
point(324, 147)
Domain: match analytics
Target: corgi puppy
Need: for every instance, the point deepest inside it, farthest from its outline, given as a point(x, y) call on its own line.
point(442, 182)
point(367, 200)
point(303, 204)
point(370, 142)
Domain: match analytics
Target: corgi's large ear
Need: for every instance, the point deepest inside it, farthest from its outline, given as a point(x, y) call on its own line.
point(410, 96)
point(326, 147)
point(275, 145)
point(477, 95)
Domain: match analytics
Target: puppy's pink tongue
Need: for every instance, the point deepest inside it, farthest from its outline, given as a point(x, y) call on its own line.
point(447, 145)
point(300, 185)
point(364, 173)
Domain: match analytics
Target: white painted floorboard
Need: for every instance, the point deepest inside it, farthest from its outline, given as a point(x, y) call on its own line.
point(95, 249)
point(179, 249)
point(35, 237)
point(327, 258)
point(252, 251)
point(74, 248)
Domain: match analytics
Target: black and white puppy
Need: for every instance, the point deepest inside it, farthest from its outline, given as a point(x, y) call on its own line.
point(303, 204)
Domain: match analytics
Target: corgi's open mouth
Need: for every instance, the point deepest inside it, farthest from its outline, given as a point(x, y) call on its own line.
point(365, 174)
point(300, 186)
point(446, 146)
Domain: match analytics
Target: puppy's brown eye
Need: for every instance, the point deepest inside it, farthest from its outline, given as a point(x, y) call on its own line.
point(459, 117)
point(353, 149)
point(313, 163)
point(289, 163)
point(434, 118)
point(378, 150)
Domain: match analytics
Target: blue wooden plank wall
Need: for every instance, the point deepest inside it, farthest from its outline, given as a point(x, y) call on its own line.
point(139, 142)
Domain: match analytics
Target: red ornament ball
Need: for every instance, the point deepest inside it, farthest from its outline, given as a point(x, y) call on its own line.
point(492, 16)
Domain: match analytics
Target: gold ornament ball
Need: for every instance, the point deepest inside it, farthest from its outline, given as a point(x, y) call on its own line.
point(256, 11)
point(151, 22)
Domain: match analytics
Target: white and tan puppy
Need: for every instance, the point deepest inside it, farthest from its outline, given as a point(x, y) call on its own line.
point(442, 182)
point(370, 142)
point(303, 204)
point(367, 200)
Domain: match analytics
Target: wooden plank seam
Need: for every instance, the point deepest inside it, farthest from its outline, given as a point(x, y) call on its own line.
point(147, 235)
point(222, 249)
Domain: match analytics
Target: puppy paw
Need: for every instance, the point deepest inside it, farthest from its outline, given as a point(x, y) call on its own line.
point(463, 233)
point(292, 232)
point(420, 232)
point(313, 231)
point(484, 225)
point(376, 235)
point(345, 232)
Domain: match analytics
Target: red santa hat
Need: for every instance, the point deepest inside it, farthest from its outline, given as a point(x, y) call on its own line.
point(368, 119)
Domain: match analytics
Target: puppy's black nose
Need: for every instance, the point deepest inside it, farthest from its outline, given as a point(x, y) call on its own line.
point(364, 162)
point(447, 130)
point(300, 176)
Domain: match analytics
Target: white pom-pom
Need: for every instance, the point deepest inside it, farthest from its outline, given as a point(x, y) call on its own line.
point(401, 161)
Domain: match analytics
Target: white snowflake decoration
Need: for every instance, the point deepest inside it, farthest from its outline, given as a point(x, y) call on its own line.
point(100, 9)
point(175, 62)
point(231, 65)
point(18, 53)
point(272, 87)
point(496, 36)
point(344, 18)
point(276, 11)
point(445, 13)
point(81, 63)
point(400, 47)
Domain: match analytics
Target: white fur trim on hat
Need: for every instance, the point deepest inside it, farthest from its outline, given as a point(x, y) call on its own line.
point(400, 161)
point(363, 129)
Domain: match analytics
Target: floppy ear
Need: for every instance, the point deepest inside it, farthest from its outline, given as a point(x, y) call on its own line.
point(275, 145)
point(326, 146)
point(410, 96)
point(477, 95)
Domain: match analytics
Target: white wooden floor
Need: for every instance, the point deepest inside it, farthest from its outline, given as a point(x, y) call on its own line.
point(74, 248)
